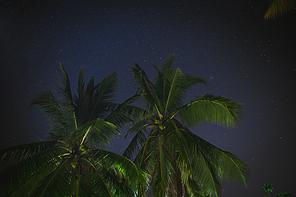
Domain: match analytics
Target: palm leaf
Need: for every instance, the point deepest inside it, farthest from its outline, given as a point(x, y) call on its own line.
point(221, 163)
point(79, 98)
point(103, 95)
point(208, 108)
point(119, 114)
point(206, 175)
point(192, 187)
point(150, 94)
point(165, 165)
point(60, 115)
point(16, 153)
point(168, 63)
point(60, 182)
point(230, 167)
point(84, 99)
point(30, 168)
point(135, 144)
point(124, 113)
point(97, 132)
point(64, 87)
point(113, 180)
point(47, 102)
point(99, 186)
point(278, 7)
point(193, 80)
point(181, 146)
point(162, 168)
point(175, 79)
point(132, 172)
point(140, 137)
point(204, 170)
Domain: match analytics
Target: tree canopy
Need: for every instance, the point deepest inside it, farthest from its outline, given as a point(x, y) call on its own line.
point(72, 163)
point(181, 163)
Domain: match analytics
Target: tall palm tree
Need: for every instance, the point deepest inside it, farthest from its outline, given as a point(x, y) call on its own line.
point(278, 7)
point(71, 163)
point(181, 163)
point(268, 188)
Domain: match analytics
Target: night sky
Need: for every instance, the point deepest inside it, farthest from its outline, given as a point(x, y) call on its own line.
point(243, 56)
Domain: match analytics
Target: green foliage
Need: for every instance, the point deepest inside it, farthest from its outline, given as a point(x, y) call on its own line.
point(71, 164)
point(179, 162)
point(268, 187)
point(283, 195)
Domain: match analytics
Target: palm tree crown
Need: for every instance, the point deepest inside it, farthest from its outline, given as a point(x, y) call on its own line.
point(181, 163)
point(71, 163)
point(268, 188)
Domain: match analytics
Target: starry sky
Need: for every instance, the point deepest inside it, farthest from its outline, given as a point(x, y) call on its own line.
point(243, 56)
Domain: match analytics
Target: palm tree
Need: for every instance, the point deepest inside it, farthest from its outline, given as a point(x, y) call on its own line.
point(71, 163)
point(181, 163)
point(278, 7)
point(268, 188)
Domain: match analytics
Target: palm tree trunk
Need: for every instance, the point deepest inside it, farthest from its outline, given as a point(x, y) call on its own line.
point(179, 183)
point(177, 186)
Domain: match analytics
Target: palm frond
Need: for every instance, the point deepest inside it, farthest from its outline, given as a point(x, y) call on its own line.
point(208, 108)
point(60, 182)
point(103, 95)
point(97, 133)
point(148, 151)
point(124, 114)
point(47, 102)
point(173, 95)
point(135, 144)
point(278, 7)
point(204, 170)
point(225, 164)
point(192, 186)
point(167, 64)
point(193, 80)
point(163, 167)
point(230, 167)
point(132, 172)
point(82, 99)
point(100, 184)
point(206, 175)
point(61, 116)
point(147, 88)
point(16, 153)
point(178, 142)
point(64, 87)
point(79, 98)
point(94, 100)
point(114, 180)
point(29, 168)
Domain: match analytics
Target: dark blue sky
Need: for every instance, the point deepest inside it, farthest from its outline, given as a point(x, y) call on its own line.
point(244, 57)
